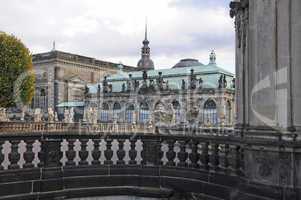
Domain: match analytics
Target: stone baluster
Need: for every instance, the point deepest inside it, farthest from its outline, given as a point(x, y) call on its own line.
point(96, 153)
point(83, 153)
point(194, 156)
point(170, 153)
point(204, 156)
point(41, 155)
point(182, 154)
point(120, 152)
point(213, 156)
point(223, 157)
point(108, 152)
point(132, 152)
point(29, 154)
point(70, 154)
point(1, 154)
point(14, 155)
point(234, 158)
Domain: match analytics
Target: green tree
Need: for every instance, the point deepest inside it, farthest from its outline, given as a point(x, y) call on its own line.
point(16, 81)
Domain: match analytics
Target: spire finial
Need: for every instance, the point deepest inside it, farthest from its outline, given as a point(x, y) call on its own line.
point(212, 58)
point(53, 46)
point(145, 28)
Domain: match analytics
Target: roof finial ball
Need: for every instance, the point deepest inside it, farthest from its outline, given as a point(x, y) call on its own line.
point(212, 58)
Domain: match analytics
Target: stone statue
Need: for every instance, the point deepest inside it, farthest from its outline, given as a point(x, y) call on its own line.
point(160, 81)
point(98, 90)
point(129, 83)
point(90, 114)
point(94, 116)
point(37, 115)
point(222, 82)
point(136, 84)
point(51, 115)
point(66, 116)
point(71, 115)
point(56, 118)
point(3, 115)
point(123, 87)
point(200, 83)
point(167, 85)
point(144, 75)
point(183, 86)
point(105, 85)
point(193, 80)
point(22, 115)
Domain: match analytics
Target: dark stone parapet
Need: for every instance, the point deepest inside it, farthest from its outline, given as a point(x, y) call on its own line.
point(52, 166)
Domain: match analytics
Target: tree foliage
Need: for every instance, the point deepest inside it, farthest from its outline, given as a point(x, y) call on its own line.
point(15, 64)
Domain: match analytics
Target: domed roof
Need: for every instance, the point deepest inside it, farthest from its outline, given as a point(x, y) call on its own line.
point(145, 63)
point(187, 62)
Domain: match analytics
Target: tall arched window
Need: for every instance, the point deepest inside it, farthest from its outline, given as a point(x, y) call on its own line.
point(104, 115)
point(228, 113)
point(210, 112)
point(143, 112)
point(117, 112)
point(129, 113)
point(177, 108)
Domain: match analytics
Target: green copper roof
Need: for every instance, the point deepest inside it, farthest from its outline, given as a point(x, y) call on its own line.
point(183, 71)
point(210, 75)
point(71, 104)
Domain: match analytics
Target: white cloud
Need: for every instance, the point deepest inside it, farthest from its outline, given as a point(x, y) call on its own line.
point(113, 29)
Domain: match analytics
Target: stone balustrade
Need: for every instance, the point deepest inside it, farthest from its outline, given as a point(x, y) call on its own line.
point(117, 128)
point(72, 165)
point(66, 165)
point(41, 127)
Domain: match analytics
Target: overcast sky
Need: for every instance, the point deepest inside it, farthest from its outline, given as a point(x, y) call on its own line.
point(114, 29)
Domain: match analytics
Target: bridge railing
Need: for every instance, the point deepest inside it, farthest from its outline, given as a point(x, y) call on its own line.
point(105, 128)
point(209, 153)
point(41, 127)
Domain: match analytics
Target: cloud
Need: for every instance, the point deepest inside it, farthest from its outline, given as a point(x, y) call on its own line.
point(113, 30)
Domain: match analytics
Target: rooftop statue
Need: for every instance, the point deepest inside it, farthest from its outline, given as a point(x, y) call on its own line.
point(51, 115)
point(3, 115)
point(37, 115)
point(66, 116)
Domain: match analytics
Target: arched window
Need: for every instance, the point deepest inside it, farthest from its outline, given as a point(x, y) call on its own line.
point(117, 112)
point(143, 112)
point(228, 113)
point(42, 92)
point(104, 116)
point(177, 108)
point(129, 113)
point(210, 112)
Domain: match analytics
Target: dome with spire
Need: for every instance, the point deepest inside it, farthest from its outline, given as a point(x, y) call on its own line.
point(145, 63)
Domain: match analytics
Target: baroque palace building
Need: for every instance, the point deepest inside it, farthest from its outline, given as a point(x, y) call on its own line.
point(61, 77)
point(189, 92)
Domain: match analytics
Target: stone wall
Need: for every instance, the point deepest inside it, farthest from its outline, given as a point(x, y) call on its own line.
point(268, 37)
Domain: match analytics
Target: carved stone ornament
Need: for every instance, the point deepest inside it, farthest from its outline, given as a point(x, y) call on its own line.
point(239, 10)
point(265, 163)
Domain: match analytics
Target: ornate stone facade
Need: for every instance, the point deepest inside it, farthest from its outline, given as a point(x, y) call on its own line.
point(191, 93)
point(62, 77)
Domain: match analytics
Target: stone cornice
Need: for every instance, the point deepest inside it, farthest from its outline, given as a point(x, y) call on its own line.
point(68, 57)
